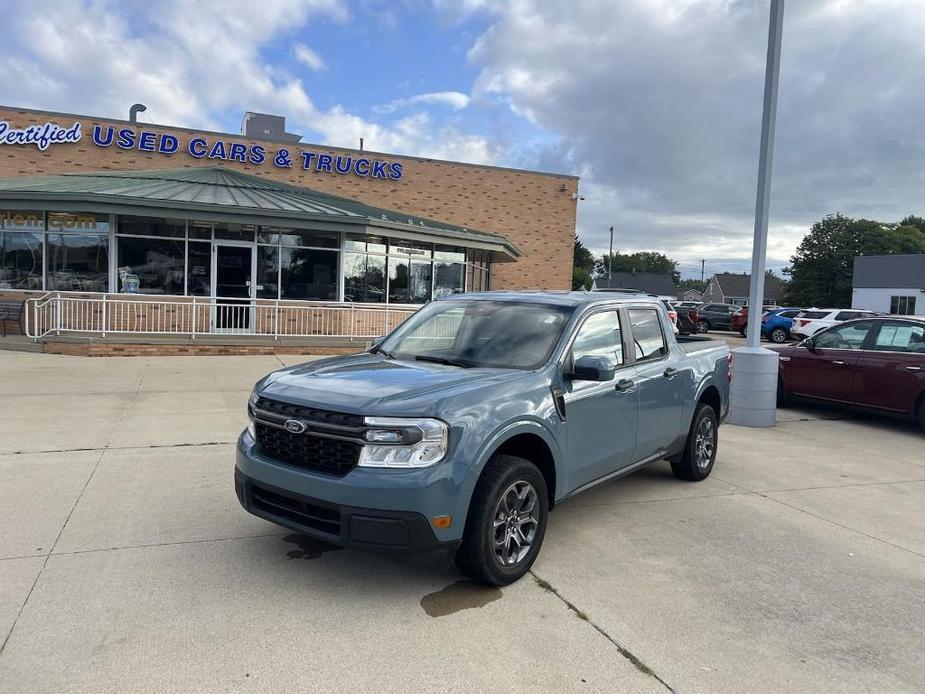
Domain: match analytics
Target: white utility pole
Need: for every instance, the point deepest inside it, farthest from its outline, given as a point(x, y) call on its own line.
point(753, 401)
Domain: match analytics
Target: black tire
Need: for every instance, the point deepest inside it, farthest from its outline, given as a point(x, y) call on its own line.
point(744, 332)
point(477, 556)
point(779, 336)
point(703, 326)
point(695, 463)
point(921, 417)
point(783, 397)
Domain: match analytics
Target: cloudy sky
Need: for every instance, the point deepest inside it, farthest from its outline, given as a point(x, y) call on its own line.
point(656, 104)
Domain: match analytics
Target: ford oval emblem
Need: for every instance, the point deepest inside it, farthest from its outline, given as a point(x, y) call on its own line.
point(295, 426)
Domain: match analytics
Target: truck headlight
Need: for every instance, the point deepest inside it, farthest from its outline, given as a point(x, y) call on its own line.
point(251, 404)
point(401, 442)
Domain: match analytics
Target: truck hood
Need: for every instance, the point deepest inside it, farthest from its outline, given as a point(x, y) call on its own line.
point(374, 385)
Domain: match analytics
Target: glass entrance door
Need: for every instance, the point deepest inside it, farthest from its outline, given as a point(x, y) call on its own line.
point(234, 272)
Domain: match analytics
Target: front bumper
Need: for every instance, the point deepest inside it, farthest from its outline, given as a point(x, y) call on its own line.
point(374, 509)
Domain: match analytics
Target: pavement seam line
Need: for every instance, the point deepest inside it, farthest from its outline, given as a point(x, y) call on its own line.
point(809, 489)
point(83, 490)
point(122, 448)
point(625, 652)
point(169, 544)
point(842, 526)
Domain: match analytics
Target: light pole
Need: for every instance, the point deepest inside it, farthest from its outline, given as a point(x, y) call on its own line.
point(610, 258)
point(753, 400)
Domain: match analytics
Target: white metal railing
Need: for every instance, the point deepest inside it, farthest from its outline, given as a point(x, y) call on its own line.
point(124, 314)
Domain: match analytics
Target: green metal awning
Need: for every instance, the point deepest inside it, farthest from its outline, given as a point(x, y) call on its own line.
point(212, 193)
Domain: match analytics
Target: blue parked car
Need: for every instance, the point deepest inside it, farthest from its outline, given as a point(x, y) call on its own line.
point(776, 324)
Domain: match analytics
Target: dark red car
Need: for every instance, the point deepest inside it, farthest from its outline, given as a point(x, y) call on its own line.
point(877, 364)
point(739, 320)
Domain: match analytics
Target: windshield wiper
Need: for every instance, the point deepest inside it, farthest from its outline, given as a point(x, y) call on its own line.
point(444, 360)
point(379, 350)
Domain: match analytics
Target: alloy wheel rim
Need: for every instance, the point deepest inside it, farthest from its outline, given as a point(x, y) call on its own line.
point(514, 523)
point(704, 443)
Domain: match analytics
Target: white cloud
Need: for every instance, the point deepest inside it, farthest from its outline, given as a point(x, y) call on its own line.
point(311, 59)
point(93, 58)
point(657, 104)
point(455, 100)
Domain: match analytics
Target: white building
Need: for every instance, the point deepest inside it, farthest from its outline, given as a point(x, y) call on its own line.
point(890, 284)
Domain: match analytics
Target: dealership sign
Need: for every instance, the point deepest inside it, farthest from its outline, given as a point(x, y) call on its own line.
point(43, 136)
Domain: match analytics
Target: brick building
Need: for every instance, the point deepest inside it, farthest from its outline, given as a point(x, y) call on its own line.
point(95, 207)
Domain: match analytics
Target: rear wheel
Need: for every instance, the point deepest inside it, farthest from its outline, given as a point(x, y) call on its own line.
point(696, 462)
point(744, 332)
point(779, 335)
point(506, 522)
point(702, 326)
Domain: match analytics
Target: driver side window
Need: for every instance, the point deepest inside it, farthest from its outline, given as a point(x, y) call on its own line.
point(850, 336)
point(600, 336)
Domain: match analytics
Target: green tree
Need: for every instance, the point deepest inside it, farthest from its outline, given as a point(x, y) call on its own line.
point(684, 285)
point(581, 278)
point(822, 268)
point(582, 266)
point(913, 221)
point(645, 261)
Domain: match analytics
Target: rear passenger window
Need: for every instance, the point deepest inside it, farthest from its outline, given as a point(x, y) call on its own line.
point(600, 336)
point(848, 315)
point(900, 337)
point(790, 314)
point(647, 334)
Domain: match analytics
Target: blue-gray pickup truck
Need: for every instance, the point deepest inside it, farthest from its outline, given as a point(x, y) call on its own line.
point(464, 427)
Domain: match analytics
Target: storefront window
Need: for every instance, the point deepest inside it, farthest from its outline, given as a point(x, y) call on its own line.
point(150, 266)
point(78, 262)
point(421, 282)
point(84, 222)
point(267, 272)
point(199, 269)
point(297, 237)
point(20, 260)
point(152, 226)
point(361, 242)
point(235, 232)
point(398, 281)
point(200, 230)
point(448, 278)
point(364, 278)
point(308, 274)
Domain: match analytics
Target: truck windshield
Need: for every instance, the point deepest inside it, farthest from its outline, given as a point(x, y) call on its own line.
point(499, 334)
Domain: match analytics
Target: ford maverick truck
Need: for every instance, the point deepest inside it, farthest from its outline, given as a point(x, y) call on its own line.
point(464, 427)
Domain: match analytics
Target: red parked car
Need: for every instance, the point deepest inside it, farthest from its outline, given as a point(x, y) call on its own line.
point(739, 320)
point(876, 364)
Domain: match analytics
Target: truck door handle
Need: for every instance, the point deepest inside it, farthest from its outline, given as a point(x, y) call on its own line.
point(838, 362)
point(670, 372)
point(624, 385)
point(913, 368)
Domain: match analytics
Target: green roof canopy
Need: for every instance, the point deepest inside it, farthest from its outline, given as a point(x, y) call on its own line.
point(217, 194)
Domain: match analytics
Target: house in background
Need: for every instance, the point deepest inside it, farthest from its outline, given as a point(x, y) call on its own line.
point(889, 284)
point(733, 288)
point(690, 295)
point(661, 284)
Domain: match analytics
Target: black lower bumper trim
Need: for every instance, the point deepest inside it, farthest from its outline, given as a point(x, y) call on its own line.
point(403, 532)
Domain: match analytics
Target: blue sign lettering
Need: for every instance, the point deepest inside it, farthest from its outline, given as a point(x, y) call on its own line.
point(43, 136)
point(98, 138)
point(147, 141)
point(198, 147)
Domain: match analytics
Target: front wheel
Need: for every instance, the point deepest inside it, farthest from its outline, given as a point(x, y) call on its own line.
point(506, 522)
point(696, 462)
point(744, 332)
point(702, 326)
point(778, 336)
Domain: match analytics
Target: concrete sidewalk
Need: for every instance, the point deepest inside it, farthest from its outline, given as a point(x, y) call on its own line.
point(126, 564)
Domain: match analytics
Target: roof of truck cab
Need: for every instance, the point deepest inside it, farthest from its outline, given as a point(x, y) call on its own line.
point(555, 298)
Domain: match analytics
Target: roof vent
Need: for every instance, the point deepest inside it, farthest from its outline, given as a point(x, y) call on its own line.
point(262, 126)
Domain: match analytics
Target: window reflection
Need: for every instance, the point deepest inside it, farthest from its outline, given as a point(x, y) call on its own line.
point(364, 278)
point(78, 262)
point(308, 274)
point(151, 266)
point(20, 260)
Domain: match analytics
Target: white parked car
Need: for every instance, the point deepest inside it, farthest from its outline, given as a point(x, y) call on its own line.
point(810, 321)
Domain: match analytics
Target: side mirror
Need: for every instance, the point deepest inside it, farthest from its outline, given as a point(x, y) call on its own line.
point(809, 343)
point(589, 368)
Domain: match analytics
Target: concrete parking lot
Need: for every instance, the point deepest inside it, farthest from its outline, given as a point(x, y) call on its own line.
point(126, 564)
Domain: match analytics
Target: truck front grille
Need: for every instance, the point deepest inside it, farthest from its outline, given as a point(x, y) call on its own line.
point(316, 453)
